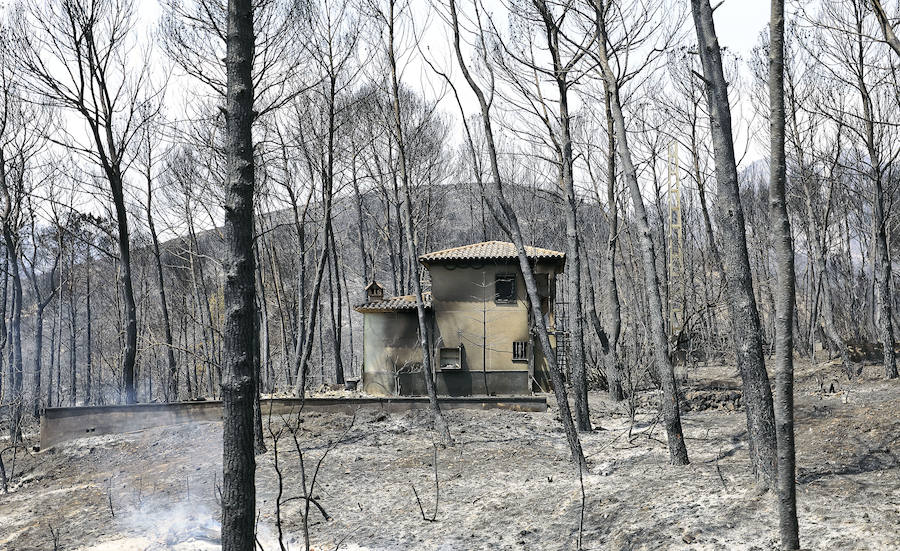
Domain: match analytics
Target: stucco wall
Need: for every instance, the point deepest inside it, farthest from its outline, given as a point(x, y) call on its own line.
point(464, 316)
point(63, 424)
point(467, 315)
point(390, 342)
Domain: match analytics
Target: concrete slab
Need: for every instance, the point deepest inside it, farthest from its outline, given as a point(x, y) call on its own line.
point(69, 423)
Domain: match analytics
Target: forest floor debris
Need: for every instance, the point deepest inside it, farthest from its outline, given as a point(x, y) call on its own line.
point(507, 484)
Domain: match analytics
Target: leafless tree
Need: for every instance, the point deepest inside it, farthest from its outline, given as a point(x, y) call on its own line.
point(79, 55)
point(784, 293)
point(506, 215)
point(746, 332)
point(665, 371)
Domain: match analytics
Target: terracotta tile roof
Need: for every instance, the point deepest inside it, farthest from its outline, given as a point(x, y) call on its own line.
point(490, 250)
point(393, 304)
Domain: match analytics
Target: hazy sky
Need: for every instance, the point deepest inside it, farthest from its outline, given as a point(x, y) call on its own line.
point(739, 22)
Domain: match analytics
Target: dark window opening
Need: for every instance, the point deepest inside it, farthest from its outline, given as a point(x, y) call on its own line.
point(543, 284)
point(449, 358)
point(505, 288)
point(520, 351)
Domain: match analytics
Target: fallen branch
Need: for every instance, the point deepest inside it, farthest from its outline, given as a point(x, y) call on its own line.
point(54, 537)
point(437, 492)
point(109, 498)
point(312, 500)
point(718, 470)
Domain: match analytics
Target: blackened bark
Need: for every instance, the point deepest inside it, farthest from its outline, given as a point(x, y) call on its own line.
point(88, 337)
point(172, 383)
point(665, 371)
point(611, 290)
point(16, 367)
point(129, 354)
point(55, 337)
point(784, 289)
point(746, 333)
point(41, 303)
point(885, 305)
point(12, 193)
point(882, 252)
point(305, 341)
point(73, 353)
point(440, 425)
point(4, 293)
point(361, 229)
point(239, 380)
point(259, 318)
point(334, 286)
point(508, 214)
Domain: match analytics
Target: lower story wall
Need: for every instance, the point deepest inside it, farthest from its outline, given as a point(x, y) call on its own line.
point(467, 383)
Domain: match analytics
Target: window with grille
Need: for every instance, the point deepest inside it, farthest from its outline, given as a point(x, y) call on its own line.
point(520, 351)
point(505, 288)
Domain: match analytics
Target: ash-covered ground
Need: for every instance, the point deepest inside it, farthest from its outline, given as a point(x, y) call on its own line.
point(506, 484)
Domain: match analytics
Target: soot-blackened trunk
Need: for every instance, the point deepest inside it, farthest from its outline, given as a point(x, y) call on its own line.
point(784, 289)
point(172, 383)
point(745, 326)
point(611, 289)
point(238, 495)
point(665, 371)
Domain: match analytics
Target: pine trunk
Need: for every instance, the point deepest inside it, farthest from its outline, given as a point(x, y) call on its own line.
point(745, 326)
point(239, 381)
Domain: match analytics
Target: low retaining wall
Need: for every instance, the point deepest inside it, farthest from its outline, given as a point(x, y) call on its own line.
point(63, 424)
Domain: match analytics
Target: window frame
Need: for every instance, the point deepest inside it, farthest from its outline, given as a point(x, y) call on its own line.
point(509, 277)
point(520, 346)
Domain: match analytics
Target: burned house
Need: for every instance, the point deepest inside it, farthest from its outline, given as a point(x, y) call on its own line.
point(479, 322)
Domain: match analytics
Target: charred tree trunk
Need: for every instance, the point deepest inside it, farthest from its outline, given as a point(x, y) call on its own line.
point(334, 285)
point(784, 291)
point(16, 366)
point(573, 250)
point(88, 337)
point(73, 353)
point(239, 381)
point(665, 371)
point(361, 230)
point(611, 289)
point(745, 324)
point(508, 214)
point(172, 383)
point(129, 354)
point(41, 303)
point(440, 425)
point(4, 293)
point(883, 270)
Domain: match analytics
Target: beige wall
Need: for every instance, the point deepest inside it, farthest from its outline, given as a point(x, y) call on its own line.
point(390, 340)
point(466, 314)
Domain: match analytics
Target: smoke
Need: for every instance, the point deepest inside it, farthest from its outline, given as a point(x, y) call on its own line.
point(182, 526)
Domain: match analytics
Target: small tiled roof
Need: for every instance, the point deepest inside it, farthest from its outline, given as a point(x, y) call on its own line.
point(393, 304)
point(373, 285)
point(491, 250)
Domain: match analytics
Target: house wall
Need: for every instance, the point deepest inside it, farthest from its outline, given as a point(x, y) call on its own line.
point(466, 315)
point(390, 342)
